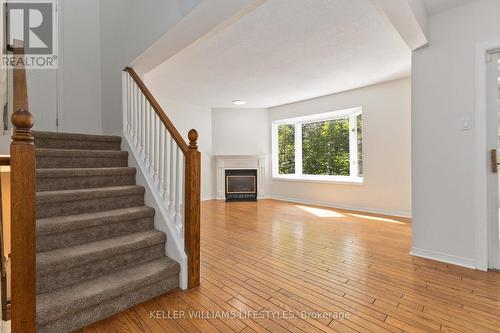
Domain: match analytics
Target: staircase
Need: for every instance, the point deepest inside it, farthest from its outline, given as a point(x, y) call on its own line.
point(83, 244)
point(97, 252)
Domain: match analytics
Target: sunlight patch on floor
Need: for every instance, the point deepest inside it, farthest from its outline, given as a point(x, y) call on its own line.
point(319, 212)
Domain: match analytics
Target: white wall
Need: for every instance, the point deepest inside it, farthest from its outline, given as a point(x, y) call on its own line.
point(128, 28)
point(241, 132)
point(81, 105)
point(386, 151)
point(443, 155)
point(185, 117)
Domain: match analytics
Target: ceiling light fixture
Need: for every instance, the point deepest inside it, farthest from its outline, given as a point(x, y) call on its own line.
point(239, 102)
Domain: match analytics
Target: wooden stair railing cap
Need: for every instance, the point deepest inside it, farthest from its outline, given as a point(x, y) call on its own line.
point(193, 138)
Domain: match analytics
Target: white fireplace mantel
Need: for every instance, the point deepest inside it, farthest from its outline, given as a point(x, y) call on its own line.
point(240, 162)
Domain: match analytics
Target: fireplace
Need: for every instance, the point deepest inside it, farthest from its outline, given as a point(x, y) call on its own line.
point(241, 185)
point(238, 163)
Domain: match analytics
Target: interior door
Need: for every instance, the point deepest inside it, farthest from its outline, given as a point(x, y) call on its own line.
point(493, 95)
point(43, 98)
point(43, 92)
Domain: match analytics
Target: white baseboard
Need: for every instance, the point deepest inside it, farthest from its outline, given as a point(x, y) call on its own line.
point(443, 257)
point(340, 206)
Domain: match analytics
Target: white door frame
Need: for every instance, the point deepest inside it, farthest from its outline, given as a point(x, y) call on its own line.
point(485, 212)
point(492, 141)
point(60, 69)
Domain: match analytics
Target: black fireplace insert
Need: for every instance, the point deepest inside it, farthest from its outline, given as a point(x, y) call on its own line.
point(241, 185)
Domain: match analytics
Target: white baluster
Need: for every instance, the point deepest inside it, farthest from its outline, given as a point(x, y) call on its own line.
point(157, 152)
point(130, 107)
point(133, 113)
point(166, 170)
point(144, 125)
point(179, 189)
point(152, 142)
point(138, 120)
point(132, 116)
point(173, 147)
point(147, 126)
point(161, 172)
point(141, 129)
point(153, 157)
point(136, 117)
point(127, 127)
point(139, 124)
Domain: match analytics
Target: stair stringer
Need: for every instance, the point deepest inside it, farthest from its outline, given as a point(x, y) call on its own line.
point(162, 220)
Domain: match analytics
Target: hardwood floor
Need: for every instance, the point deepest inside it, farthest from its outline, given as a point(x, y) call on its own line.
point(319, 265)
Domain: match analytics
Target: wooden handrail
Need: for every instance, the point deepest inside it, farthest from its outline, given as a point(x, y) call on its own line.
point(158, 110)
point(23, 201)
point(192, 183)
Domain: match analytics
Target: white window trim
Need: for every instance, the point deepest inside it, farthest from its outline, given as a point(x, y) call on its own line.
point(298, 121)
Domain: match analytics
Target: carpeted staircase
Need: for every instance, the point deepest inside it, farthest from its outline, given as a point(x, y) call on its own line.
point(97, 250)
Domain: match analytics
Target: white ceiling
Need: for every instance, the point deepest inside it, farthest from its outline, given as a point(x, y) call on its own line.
point(286, 51)
point(438, 6)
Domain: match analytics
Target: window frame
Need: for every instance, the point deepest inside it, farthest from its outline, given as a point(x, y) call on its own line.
point(351, 114)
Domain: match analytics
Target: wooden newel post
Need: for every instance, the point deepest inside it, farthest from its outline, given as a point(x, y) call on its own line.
point(23, 240)
point(192, 209)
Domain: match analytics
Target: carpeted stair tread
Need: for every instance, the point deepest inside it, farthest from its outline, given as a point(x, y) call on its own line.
point(76, 141)
point(80, 178)
point(66, 231)
point(68, 301)
point(47, 158)
point(80, 153)
point(66, 258)
point(107, 308)
point(51, 281)
point(75, 136)
point(87, 193)
point(84, 172)
point(88, 200)
point(61, 224)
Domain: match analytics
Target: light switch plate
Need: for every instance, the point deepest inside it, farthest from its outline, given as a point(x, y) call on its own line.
point(466, 124)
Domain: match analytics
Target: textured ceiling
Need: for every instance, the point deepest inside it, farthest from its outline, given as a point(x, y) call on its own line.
point(286, 51)
point(438, 6)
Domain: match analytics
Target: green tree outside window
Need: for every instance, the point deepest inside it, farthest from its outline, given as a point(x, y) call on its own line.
point(286, 147)
point(325, 148)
